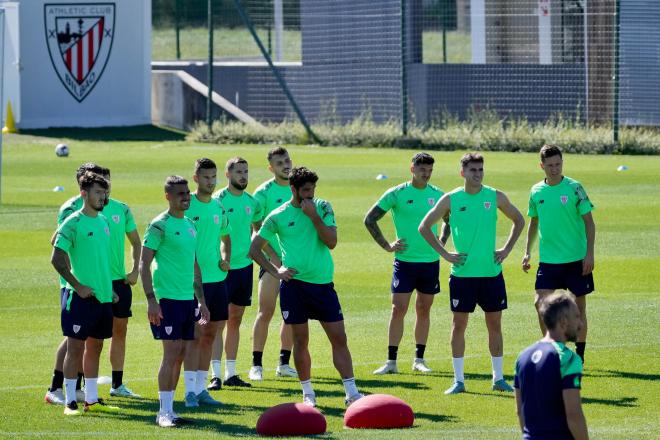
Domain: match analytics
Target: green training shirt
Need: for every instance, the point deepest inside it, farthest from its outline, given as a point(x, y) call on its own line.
point(121, 222)
point(302, 249)
point(211, 223)
point(409, 206)
point(173, 241)
point(87, 241)
point(559, 208)
point(271, 195)
point(72, 205)
point(242, 211)
point(473, 222)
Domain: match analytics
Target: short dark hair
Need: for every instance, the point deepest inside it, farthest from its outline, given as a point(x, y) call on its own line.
point(299, 176)
point(234, 161)
point(549, 150)
point(174, 180)
point(92, 168)
point(88, 180)
point(471, 157)
point(554, 307)
point(422, 159)
point(277, 151)
point(204, 164)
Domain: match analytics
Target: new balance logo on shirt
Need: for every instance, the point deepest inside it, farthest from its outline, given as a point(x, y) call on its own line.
point(90, 234)
point(463, 208)
point(410, 202)
point(291, 223)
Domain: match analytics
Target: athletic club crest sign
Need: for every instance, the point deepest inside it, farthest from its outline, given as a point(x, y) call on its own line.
point(79, 38)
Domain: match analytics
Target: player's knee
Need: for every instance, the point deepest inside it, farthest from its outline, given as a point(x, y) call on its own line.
point(399, 311)
point(265, 314)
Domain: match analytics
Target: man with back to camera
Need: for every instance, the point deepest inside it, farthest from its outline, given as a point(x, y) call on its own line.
point(548, 376)
point(122, 224)
point(476, 272)
point(244, 213)
point(416, 263)
point(171, 240)
point(213, 254)
point(272, 194)
point(81, 255)
point(306, 230)
point(560, 212)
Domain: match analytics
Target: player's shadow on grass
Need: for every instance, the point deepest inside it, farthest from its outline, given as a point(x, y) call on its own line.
point(436, 418)
point(622, 374)
point(136, 133)
point(386, 382)
point(621, 402)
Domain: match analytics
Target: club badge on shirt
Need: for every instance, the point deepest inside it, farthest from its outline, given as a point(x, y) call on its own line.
point(115, 218)
point(431, 201)
point(486, 205)
point(564, 199)
point(216, 219)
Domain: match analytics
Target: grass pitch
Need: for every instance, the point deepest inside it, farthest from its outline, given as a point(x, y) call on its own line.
point(621, 391)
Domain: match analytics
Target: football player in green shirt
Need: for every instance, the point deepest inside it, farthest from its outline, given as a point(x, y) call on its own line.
point(560, 213)
point(416, 263)
point(271, 195)
point(306, 230)
point(171, 239)
point(122, 225)
point(54, 394)
point(244, 213)
point(213, 255)
point(81, 255)
point(476, 272)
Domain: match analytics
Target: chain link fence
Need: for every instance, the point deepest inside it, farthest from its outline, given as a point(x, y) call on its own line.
point(417, 61)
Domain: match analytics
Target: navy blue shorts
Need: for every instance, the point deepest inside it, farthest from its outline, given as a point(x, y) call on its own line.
point(178, 320)
point(564, 276)
point(466, 292)
point(423, 277)
point(122, 308)
point(85, 318)
point(239, 286)
point(301, 301)
point(215, 295)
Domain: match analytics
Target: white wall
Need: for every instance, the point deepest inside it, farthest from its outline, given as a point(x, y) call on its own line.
point(120, 92)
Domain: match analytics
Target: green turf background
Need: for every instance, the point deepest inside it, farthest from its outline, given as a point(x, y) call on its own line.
point(621, 391)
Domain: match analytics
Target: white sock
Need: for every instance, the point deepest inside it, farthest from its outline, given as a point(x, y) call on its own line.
point(307, 386)
point(201, 381)
point(215, 367)
point(497, 362)
point(190, 381)
point(70, 390)
point(458, 369)
point(350, 387)
point(166, 401)
point(230, 368)
point(91, 389)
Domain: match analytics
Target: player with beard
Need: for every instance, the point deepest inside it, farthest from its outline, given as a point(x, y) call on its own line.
point(171, 240)
point(81, 255)
point(416, 263)
point(213, 255)
point(548, 376)
point(244, 213)
point(122, 226)
point(272, 194)
point(306, 230)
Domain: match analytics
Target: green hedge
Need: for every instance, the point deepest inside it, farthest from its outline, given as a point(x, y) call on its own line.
point(480, 132)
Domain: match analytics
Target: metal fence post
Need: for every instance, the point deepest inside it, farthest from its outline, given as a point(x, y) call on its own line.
point(177, 12)
point(615, 110)
point(209, 98)
point(404, 71)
